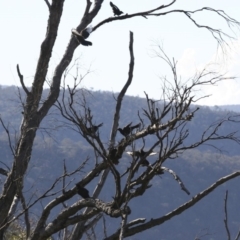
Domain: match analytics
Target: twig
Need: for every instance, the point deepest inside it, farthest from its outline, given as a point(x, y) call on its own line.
point(93, 222)
point(9, 137)
point(26, 214)
point(238, 235)
point(48, 4)
point(64, 181)
point(104, 226)
point(177, 178)
point(5, 165)
point(136, 221)
point(21, 80)
point(3, 172)
point(226, 216)
point(123, 226)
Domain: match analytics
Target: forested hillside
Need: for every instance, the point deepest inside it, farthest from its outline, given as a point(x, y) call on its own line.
point(57, 142)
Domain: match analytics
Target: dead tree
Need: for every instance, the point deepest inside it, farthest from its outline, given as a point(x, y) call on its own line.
point(168, 121)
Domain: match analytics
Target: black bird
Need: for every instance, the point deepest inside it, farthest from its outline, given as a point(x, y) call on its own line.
point(113, 155)
point(80, 38)
point(112, 152)
point(128, 129)
point(94, 128)
point(145, 162)
point(83, 192)
point(140, 154)
point(115, 9)
point(86, 32)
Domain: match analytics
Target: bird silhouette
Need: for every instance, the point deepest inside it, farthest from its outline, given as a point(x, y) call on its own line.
point(140, 154)
point(128, 129)
point(113, 155)
point(93, 128)
point(86, 32)
point(145, 162)
point(80, 38)
point(115, 9)
point(112, 152)
point(83, 192)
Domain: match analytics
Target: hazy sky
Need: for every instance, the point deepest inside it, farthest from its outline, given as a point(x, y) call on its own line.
point(23, 26)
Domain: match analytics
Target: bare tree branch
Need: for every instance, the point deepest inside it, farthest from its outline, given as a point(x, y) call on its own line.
point(3, 172)
point(136, 221)
point(32, 119)
point(104, 227)
point(177, 211)
point(218, 34)
point(177, 178)
point(238, 235)
point(126, 16)
point(78, 230)
point(26, 215)
point(64, 218)
point(226, 216)
point(8, 135)
point(21, 79)
point(123, 226)
point(48, 4)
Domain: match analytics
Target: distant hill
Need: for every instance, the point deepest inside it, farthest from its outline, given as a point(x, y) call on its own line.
point(233, 108)
point(198, 168)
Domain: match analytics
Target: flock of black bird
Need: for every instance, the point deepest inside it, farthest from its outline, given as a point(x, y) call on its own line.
point(125, 131)
point(138, 155)
point(87, 31)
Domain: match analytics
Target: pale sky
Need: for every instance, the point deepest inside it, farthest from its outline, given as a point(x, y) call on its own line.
point(23, 26)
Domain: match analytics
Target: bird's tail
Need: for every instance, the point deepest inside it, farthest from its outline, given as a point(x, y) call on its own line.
point(100, 125)
point(136, 126)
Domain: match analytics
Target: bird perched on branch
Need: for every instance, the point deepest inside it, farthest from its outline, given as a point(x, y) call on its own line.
point(128, 129)
point(113, 155)
point(140, 154)
point(115, 9)
point(83, 192)
point(86, 32)
point(145, 163)
point(80, 38)
point(93, 128)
